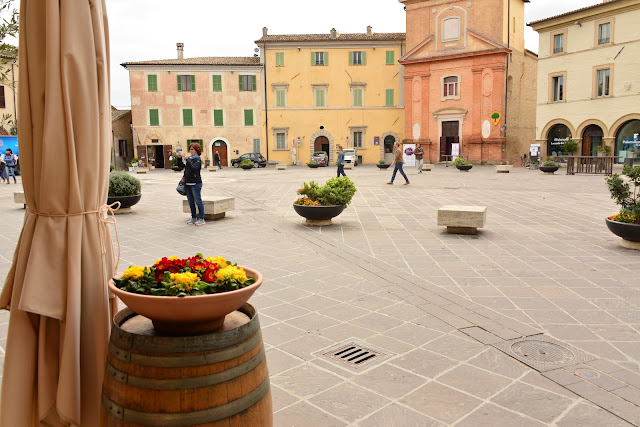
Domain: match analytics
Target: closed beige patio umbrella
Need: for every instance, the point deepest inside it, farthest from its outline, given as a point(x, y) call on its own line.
point(57, 286)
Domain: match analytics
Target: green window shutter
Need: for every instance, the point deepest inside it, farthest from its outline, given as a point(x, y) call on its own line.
point(390, 58)
point(279, 59)
point(241, 86)
point(279, 99)
point(253, 83)
point(390, 101)
point(313, 58)
point(320, 98)
point(357, 97)
point(193, 83)
point(187, 118)
point(364, 58)
point(350, 58)
point(248, 117)
point(154, 118)
point(152, 81)
point(256, 145)
point(326, 58)
point(217, 118)
point(179, 83)
point(217, 83)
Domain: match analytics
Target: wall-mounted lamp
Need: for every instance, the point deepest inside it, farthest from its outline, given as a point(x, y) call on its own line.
point(237, 152)
point(298, 48)
point(577, 23)
point(178, 147)
point(374, 48)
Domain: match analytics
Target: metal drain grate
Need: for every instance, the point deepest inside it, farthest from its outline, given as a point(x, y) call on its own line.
point(543, 353)
point(354, 354)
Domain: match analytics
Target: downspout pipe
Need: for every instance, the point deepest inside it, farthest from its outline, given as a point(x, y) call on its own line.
point(266, 104)
point(506, 77)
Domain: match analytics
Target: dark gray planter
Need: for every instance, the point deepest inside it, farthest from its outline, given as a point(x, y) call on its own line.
point(312, 166)
point(549, 169)
point(630, 232)
point(383, 166)
point(464, 167)
point(245, 167)
point(318, 213)
point(125, 201)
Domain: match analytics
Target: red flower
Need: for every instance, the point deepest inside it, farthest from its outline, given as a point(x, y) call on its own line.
point(159, 276)
point(209, 276)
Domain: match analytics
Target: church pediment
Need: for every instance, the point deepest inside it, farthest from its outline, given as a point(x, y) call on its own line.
point(450, 111)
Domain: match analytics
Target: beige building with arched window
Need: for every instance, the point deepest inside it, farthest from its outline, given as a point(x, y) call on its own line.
point(589, 78)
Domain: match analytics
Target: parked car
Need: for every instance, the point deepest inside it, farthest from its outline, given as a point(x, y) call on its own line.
point(350, 156)
point(257, 159)
point(321, 158)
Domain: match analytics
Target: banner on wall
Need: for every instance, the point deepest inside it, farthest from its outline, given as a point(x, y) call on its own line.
point(455, 151)
point(408, 156)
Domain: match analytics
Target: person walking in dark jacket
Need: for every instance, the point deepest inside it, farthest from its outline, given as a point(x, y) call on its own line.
point(397, 161)
point(216, 160)
point(193, 184)
point(340, 161)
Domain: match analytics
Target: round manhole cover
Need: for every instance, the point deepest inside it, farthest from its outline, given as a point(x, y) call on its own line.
point(541, 351)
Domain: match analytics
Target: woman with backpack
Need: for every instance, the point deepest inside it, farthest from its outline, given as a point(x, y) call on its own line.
point(193, 183)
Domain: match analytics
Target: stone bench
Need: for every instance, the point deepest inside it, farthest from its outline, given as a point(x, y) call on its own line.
point(214, 208)
point(213, 169)
point(18, 197)
point(462, 219)
point(427, 167)
point(142, 170)
point(281, 167)
point(504, 168)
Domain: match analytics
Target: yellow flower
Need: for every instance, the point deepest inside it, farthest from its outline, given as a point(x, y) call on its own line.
point(231, 272)
point(172, 258)
point(184, 281)
point(134, 272)
point(218, 260)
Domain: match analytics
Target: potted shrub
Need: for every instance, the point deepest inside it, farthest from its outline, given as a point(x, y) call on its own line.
point(626, 223)
point(112, 167)
point(382, 164)
point(130, 166)
point(135, 161)
point(313, 164)
point(189, 296)
point(603, 150)
point(570, 147)
point(246, 164)
point(549, 166)
point(631, 153)
point(321, 203)
point(462, 164)
point(123, 188)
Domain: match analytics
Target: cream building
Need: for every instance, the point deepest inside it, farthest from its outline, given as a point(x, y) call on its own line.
point(9, 95)
point(589, 78)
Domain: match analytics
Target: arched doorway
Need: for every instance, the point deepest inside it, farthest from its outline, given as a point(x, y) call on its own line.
point(220, 147)
point(389, 140)
point(591, 138)
point(628, 136)
point(321, 144)
point(556, 137)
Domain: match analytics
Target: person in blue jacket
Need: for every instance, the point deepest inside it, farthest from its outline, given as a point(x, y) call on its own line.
point(340, 161)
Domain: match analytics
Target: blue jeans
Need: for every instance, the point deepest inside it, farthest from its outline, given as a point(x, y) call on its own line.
point(398, 167)
point(10, 170)
point(341, 170)
point(218, 164)
point(193, 195)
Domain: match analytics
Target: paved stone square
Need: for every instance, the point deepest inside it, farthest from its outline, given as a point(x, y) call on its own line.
point(438, 305)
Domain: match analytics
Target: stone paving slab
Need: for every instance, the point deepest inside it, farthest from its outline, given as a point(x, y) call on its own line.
point(385, 274)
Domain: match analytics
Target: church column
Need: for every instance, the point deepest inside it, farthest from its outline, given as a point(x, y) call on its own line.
point(497, 101)
point(476, 110)
point(425, 113)
point(408, 108)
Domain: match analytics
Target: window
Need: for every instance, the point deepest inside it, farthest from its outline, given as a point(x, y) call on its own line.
point(319, 58)
point(281, 141)
point(357, 96)
point(154, 117)
point(603, 83)
point(391, 58)
point(152, 83)
point(280, 97)
point(450, 87)
point(558, 88)
point(187, 117)
point(604, 33)
point(186, 83)
point(358, 58)
point(389, 98)
point(122, 148)
point(194, 141)
point(279, 59)
point(357, 139)
point(2, 100)
point(558, 43)
point(256, 145)
point(217, 83)
point(218, 119)
point(247, 83)
point(320, 96)
point(248, 117)
point(451, 29)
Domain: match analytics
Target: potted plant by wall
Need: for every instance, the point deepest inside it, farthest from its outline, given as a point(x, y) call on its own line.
point(631, 153)
point(549, 166)
point(321, 203)
point(189, 296)
point(246, 164)
point(135, 161)
point(130, 166)
point(626, 223)
point(603, 150)
point(570, 147)
point(313, 164)
point(123, 188)
point(462, 164)
point(382, 164)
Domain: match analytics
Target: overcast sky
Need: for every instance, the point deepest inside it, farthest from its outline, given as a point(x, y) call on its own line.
point(150, 29)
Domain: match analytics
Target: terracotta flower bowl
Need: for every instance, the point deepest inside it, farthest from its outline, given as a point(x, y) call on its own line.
point(190, 315)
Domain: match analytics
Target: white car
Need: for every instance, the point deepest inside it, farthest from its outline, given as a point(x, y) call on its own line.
point(350, 156)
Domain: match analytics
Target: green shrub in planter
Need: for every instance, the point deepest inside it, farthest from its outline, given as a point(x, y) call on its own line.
point(570, 146)
point(624, 195)
point(459, 161)
point(112, 167)
point(336, 191)
point(382, 161)
point(246, 162)
point(123, 184)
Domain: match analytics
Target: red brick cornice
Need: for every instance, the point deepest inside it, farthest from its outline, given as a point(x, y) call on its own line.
point(500, 51)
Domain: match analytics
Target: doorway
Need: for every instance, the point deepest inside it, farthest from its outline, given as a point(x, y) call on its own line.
point(450, 135)
point(220, 147)
point(321, 144)
point(591, 138)
point(159, 156)
point(389, 140)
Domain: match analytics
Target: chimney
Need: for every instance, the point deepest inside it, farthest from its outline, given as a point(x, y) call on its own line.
point(369, 30)
point(180, 47)
point(264, 31)
point(334, 33)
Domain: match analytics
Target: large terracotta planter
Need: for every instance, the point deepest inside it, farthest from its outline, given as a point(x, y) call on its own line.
point(318, 215)
point(191, 315)
point(125, 201)
point(629, 232)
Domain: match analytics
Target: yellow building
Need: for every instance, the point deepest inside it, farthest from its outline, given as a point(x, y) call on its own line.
point(328, 89)
point(588, 79)
point(8, 95)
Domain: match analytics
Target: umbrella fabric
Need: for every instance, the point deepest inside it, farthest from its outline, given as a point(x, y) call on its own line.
point(57, 286)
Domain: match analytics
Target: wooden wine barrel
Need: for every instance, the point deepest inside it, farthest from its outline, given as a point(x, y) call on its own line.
point(204, 380)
